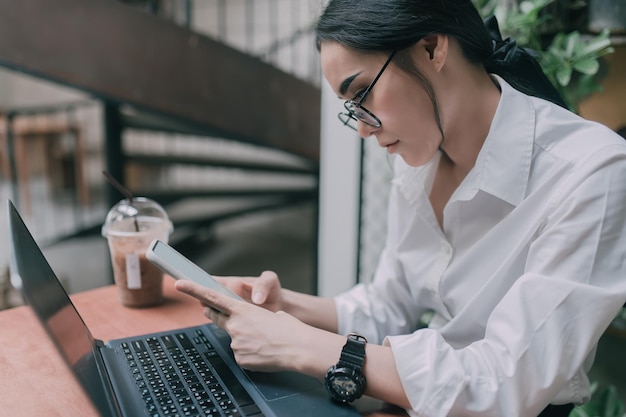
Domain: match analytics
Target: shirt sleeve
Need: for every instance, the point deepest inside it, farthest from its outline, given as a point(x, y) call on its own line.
point(378, 309)
point(544, 329)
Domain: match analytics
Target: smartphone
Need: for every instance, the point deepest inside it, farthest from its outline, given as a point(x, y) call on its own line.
point(177, 265)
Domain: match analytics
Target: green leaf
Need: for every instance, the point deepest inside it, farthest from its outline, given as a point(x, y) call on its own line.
point(613, 406)
point(578, 412)
point(564, 75)
point(588, 66)
point(598, 44)
point(526, 7)
point(572, 42)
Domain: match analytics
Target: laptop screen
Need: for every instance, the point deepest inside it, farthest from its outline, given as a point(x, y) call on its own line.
point(31, 273)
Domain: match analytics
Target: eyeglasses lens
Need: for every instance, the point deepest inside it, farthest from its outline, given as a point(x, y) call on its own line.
point(361, 114)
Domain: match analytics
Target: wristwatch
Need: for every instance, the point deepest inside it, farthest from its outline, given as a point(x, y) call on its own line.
point(345, 381)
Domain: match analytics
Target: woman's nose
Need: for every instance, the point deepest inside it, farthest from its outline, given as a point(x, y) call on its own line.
point(364, 130)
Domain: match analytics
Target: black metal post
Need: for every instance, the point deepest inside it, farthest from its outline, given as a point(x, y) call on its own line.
point(113, 152)
point(15, 193)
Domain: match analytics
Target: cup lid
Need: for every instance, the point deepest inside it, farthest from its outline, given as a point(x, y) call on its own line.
point(143, 212)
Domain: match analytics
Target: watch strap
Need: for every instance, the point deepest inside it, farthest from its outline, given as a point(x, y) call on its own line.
point(353, 352)
point(350, 366)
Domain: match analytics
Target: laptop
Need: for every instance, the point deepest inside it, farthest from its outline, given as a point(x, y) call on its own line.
point(185, 372)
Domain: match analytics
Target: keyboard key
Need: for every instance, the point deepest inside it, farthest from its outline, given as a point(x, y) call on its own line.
point(184, 340)
point(250, 410)
point(240, 395)
point(169, 342)
point(138, 346)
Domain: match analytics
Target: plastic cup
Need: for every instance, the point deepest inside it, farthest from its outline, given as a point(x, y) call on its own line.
point(130, 227)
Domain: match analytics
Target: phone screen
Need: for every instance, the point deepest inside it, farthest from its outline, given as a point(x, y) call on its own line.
point(177, 265)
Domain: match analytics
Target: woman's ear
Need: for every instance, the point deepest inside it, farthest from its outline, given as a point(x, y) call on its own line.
point(437, 48)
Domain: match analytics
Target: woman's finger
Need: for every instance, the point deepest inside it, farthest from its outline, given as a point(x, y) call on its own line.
point(263, 286)
point(215, 316)
point(208, 297)
point(241, 286)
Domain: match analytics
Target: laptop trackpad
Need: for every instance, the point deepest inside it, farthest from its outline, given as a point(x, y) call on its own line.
point(277, 385)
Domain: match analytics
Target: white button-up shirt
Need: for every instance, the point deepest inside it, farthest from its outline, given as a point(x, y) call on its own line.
point(527, 273)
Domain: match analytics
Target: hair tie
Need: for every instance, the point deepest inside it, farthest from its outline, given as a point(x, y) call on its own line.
point(519, 66)
point(505, 51)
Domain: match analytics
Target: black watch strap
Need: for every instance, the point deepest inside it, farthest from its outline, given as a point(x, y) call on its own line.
point(353, 352)
point(345, 381)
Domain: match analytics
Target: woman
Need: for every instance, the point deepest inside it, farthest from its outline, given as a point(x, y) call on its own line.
point(506, 221)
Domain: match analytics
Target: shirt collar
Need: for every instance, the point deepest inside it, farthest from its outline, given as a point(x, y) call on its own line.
point(502, 168)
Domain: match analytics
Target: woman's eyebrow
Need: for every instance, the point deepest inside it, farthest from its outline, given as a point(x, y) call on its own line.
point(343, 88)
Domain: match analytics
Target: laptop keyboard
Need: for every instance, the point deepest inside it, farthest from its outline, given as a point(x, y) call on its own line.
point(181, 376)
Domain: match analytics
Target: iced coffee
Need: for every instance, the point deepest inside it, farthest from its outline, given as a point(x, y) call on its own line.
point(130, 228)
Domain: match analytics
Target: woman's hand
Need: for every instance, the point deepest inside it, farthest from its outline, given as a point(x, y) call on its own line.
point(263, 340)
point(264, 291)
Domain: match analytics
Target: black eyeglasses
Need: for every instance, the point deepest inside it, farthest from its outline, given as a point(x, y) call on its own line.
point(356, 111)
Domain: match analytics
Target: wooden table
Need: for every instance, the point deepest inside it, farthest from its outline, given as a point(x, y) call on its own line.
point(34, 380)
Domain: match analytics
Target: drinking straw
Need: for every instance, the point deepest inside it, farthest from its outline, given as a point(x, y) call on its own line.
point(123, 190)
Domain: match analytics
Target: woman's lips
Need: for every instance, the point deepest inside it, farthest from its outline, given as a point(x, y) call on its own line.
point(390, 146)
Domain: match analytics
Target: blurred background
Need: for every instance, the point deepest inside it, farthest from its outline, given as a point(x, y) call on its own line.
point(211, 108)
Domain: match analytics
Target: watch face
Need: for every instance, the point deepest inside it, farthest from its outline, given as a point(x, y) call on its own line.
point(345, 384)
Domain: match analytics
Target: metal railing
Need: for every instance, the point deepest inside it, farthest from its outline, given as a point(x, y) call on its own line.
point(277, 31)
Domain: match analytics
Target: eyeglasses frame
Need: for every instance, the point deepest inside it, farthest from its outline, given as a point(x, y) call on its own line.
point(351, 115)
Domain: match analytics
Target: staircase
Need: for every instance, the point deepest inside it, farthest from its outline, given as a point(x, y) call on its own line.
point(154, 74)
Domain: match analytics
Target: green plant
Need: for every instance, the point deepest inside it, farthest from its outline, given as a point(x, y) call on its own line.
point(620, 320)
point(570, 60)
point(604, 403)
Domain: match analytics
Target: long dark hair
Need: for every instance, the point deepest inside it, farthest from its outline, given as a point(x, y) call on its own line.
point(396, 25)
